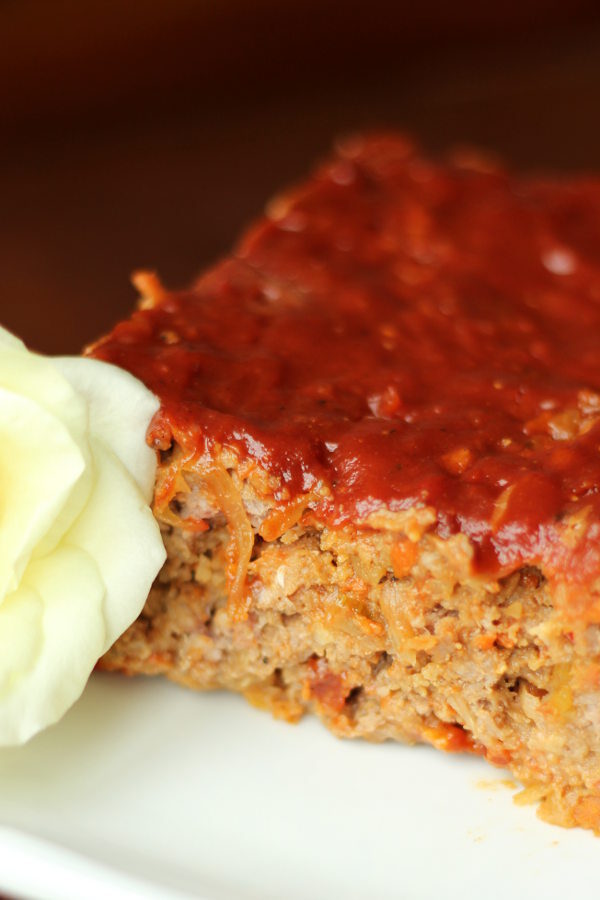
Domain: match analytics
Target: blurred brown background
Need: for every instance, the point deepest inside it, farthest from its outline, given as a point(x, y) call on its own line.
point(146, 134)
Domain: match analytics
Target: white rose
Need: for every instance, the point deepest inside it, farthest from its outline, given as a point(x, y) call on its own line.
point(79, 547)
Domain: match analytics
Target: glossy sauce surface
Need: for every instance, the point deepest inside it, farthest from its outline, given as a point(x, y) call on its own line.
point(408, 333)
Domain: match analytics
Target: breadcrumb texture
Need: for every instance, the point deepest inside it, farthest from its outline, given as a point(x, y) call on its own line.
point(381, 629)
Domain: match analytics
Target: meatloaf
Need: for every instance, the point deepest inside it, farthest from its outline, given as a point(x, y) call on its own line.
point(379, 464)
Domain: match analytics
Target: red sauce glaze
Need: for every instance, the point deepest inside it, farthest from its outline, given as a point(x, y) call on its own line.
point(411, 334)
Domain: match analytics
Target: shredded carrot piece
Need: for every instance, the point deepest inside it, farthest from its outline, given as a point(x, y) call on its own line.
point(278, 521)
point(218, 483)
point(485, 641)
point(403, 556)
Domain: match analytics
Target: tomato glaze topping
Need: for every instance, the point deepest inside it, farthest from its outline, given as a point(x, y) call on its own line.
point(409, 334)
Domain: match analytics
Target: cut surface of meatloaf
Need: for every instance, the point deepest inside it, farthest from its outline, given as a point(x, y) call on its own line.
point(379, 464)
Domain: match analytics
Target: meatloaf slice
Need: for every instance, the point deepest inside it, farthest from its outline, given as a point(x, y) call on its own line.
point(379, 478)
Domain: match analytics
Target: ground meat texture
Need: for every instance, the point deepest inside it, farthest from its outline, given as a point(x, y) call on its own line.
point(384, 632)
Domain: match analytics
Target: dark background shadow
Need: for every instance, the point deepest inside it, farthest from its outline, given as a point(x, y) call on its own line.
point(147, 134)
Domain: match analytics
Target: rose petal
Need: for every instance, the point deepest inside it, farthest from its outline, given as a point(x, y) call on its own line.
point(79, 547)
point(21, 635)
point(61, 599)
point(33, 376)
point(8, 339)
point(40, 464)
point(120, 409)
point(118, 530)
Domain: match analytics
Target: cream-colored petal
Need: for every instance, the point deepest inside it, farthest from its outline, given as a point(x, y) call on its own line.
point(8, 339)
point(21, 636)
point(36, 377)
point(120, 410)
point(118, 530)
point(79, 547)
point(60, 603)
point(40, 464)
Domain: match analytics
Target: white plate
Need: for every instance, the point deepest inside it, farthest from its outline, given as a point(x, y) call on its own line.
point(146, 790)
